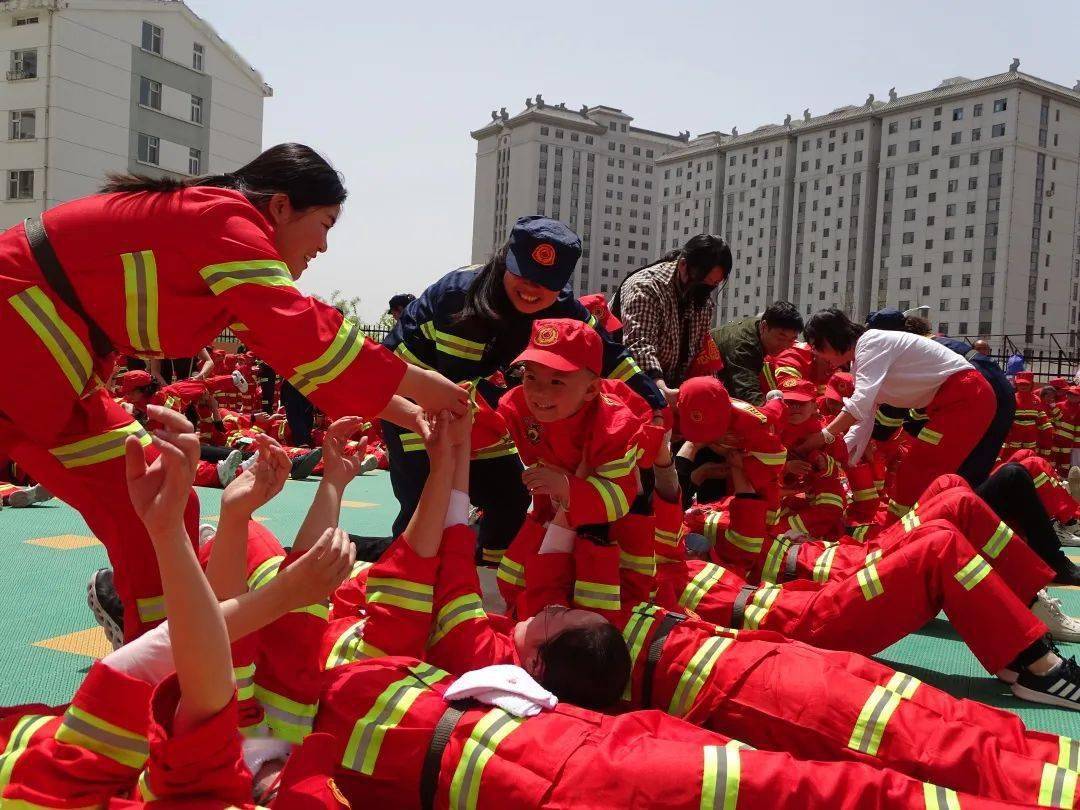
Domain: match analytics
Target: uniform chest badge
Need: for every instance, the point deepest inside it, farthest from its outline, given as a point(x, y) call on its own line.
point(532, 432)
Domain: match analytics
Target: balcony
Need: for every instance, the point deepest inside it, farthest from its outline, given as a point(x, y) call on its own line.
point(21, 73)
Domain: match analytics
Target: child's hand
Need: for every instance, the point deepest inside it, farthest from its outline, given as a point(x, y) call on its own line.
point(159, 491)
point(315, 575)
point(663, 453)
point(797, 466)
point(551, 481)
point(262, 481)
point(439, 446)
point(339, 469)
point(459, 430)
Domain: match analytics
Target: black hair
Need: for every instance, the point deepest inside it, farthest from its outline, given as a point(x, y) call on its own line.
point(917, 325)
point(704, 253)
point(486, 298)
point(293, 169)
point(782, 315)
point(832, 327)
point(401, 300)
point(586, 666)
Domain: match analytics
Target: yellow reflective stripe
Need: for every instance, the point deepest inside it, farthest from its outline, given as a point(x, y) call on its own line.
point(860, 532)
point(221, 278)
point(350, 646)
point(503, 447)
point(596, 595)
point(767, 373)
point(898, 509)
point(457, 346)
point(720, 777)
point(238, 327)
point(666, 538)
point(511, 572)
point(100, 447)
point(288, 719)
point(141, 298)
point(774, 559)
point(40, 314)
point(770, 459)
point(493, 556)
point(888, 421)
point(750, 544)
point(411, 442)
point(823, 565)
point(402, 593)
point(625, 370)
point(940, 798)
point(80, 727)
point(454, 613)
point(877, 711)
point(18, 742)
point(929, 436)
point(333, 362)
point(701, 584)
point(1068, 753)
point(358, 568)
point(143, 788)
point(712, 526)
point(869, 581)
point(492, 729)
point(319, 611)
point(697, 672)
point(1057, 787)
point(759, 605)
point(639, 564)
point(828, 499)
point(973, 573)
point(264, 572)
point(788, 371)
point(151, 609)
point(868, 494)
point(244, 676)
point(621, 467)
point(612, 496)
point(1041, 479)
point(403, 352)
point(998, 540)
point(795, 522)
point(910, 520)
point(635, 632)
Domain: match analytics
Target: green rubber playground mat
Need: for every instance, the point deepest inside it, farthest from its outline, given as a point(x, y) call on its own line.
point(49, 638)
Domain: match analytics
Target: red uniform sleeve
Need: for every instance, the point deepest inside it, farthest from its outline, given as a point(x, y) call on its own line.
point(462, 637)
point(669, 546)
point(597, 579)
point(549, 580)
point(400, 595)
point(605, 494)
point(322, 353)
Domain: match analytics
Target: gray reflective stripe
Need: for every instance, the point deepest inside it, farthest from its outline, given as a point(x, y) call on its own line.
point(739, 608)
point(581, 592)
point(115, 740)
point(141, 300)
point(884, 698)
point(223, 274)
point(109, 441)
point(481, 746)
point(791, 562)
point(391, 590)
point(1070, 755)
point(289, 717)
point(468, 607)
point(344, 646)
point(305, 379)
point(942, 796)
point(49, 326)
point(379, 720)
point(1059, 786)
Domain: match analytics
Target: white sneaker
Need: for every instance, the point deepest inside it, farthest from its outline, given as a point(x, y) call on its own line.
point(29, 496)
point(240, 381)
point(1074, 482)
point(249, 462)
point(1065, 536)
point(206, 533)
point(226, 470)
point(368, 464)
point(1062, 626)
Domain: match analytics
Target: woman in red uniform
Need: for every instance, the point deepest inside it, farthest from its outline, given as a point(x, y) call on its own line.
point(156, 268)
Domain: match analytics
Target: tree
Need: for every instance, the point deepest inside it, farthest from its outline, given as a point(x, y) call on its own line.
point(351, 306)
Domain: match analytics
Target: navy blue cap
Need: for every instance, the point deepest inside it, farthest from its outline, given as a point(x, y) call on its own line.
point(891, 320)
point(543, 251)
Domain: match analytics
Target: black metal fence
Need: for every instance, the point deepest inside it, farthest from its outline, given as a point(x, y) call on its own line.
point(229, 338)
point(1058, 357)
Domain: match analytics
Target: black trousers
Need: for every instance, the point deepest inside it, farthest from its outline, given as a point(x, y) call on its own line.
point(977, 466)
point(1010, 492)
point(299, 412)
point(494, 485)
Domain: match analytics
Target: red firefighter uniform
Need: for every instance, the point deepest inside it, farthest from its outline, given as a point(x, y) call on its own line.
point(154, 290)
point(799, 362)
point(695, 670)
point(1031, 427)
point(1053, 490)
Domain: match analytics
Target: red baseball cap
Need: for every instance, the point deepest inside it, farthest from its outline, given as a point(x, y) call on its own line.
point(1024, 378)
point(704, 409)
point(564, 344)
point(832, 393)
point(797, 390)
point(843, 382)
point(597, 305)
point(1058, 382)
point(130, 380)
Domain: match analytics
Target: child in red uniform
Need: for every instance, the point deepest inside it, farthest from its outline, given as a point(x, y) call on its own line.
point(1030, 425)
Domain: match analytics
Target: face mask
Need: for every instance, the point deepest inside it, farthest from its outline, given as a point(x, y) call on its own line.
point(699, 294)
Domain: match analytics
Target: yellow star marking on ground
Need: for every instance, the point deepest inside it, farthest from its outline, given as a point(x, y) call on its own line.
point(90, 643)
point(358, 504)
point(64, 541)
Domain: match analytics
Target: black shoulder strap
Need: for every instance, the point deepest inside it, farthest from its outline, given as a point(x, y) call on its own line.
point(739, 608)
point(656, 649)
point(791, 562)
point(61, 284)
point(444, 729)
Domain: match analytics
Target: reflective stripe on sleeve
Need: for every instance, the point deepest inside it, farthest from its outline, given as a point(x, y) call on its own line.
point(332, 363)
point(101, 447)
point(700, 585)
point(85, 730)
point(454, 613)
point(70, 354)
point(221, 278)
point(402, 593)
point(720, 777)
point(489, 732)
point(141, 298)
point(877, 711)
point(696, 673)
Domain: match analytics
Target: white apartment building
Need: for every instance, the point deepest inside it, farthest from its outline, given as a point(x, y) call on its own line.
point(692, 181)
point(93, 86)
point(590, 168)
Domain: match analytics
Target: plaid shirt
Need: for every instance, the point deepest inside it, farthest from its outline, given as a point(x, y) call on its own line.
point(654, 323)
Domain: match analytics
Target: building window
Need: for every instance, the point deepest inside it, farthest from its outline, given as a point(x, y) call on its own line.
point(977, 111)
point(197, 55)
point(1000, 105)
point(23, 125)
point(894, 127)
point(21, 184)
point(149, 93)
point(20, 21)
point(954, 139)
point(958, 114)
point(23, 64)
point(891, 150)
point(196, 110)
point(913, 146)
point(148, 148)
point(194, 161)
point(151, 38)
point(911, 192)
point(997, 131)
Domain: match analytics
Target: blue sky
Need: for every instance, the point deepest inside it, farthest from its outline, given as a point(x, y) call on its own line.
point(390, 91)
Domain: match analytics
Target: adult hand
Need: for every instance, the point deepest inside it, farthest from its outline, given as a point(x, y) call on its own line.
point(709, 471)
point(159, 491)
point(434, 393)
point(663, 454)
point(439, 446)
point(257, 485)
point(670, 394)
point(340, 468)
point(313, 577)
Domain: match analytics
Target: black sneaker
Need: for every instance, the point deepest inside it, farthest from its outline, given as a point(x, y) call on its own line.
point(1059, 687)
point(106, 606)
point(302, 467)
point(1066, 572)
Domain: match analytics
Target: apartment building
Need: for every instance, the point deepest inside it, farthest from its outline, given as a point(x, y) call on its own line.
point(590, 168)
point(93, 86)
point(691, 183)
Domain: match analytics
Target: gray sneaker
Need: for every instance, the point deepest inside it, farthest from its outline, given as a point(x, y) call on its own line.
point(226, 469)
point(29, 496)
point(104, 603)
point(1074, 482)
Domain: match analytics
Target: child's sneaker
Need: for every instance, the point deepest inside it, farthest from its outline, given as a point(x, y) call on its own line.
point(369, 464)
point(29, 496)
point(226, 470)
point(1059, 687)
point(106, 606)
point(302, 467)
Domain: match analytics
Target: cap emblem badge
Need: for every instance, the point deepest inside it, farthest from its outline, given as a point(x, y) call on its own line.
point(544, 254)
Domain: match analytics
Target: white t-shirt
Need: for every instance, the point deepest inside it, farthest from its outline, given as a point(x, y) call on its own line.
point(894, 368)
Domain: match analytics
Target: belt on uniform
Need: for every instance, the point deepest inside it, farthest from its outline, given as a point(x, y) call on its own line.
point(57, 279)
point(791, 562)
point(739, 608)
point(444, 729)
point(656, 647)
